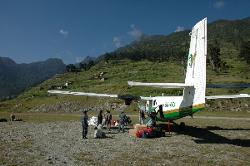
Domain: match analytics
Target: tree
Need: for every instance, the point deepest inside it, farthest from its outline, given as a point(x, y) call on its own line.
point(90, 64)
point(245, 50)
point(70, 68)
point(83, 66)
point(214, 56)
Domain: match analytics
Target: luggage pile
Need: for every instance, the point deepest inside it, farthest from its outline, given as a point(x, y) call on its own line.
point(142, 131)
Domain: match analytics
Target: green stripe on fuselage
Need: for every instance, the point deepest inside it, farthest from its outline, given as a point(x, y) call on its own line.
point(187, 111)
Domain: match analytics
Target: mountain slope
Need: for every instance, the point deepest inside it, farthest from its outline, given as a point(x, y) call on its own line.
point(229, 34)
point(118, 73)
point(17, 77)
point(149, 67)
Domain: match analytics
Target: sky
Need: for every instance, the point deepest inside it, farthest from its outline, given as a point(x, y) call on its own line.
point(35, 30)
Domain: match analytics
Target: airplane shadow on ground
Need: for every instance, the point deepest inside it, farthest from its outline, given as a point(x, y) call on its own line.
point(206, 136)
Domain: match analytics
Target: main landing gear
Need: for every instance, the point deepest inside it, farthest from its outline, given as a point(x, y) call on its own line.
point(171, 126)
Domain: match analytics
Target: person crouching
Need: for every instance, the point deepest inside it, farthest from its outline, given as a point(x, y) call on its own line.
point(98, 133)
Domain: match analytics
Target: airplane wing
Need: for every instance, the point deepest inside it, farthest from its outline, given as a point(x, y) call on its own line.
point(227, 96)
point(160, 85)
point(82, 93)
point(127, 98)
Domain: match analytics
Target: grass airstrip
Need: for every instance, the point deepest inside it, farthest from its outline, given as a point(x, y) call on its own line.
point(55, 138)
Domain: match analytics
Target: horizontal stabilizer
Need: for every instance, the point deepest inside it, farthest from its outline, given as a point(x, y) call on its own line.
point(81, 93)
point(227, 96)
point(160, 85)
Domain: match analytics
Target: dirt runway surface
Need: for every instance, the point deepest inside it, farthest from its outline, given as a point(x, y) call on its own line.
point(204, 142)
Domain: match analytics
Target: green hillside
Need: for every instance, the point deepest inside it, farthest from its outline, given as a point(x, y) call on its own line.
point(147, 60)
point(229, 35)
point(118, 73)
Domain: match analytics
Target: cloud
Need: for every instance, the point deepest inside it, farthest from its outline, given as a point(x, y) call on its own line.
point(79, 59)
point(117, 41)
point(179, 29)
point(135, 32)
point(63, 32)
point(219, 4)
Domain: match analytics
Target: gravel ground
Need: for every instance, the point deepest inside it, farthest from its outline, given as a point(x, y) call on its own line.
point(60, 143)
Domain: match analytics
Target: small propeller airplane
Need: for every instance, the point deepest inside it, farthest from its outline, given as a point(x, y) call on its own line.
point(194, 88)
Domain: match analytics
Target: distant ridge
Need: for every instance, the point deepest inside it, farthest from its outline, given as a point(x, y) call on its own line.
point(175, 45)
point(6, 61)
point(17, 77)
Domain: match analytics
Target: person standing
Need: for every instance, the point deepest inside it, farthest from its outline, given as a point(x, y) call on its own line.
point(108, 120)
point(99, 118)
point(152, 120)
point(12, 117)
point(104, 121)
point(122, 121)
point(141, 116)
point(84, 120)
point(161, 112)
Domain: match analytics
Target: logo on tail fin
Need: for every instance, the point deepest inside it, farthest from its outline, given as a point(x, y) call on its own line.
point(191, 59)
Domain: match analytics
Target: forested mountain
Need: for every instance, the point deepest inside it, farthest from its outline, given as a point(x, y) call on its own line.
point(222, 34)
point(14, 78)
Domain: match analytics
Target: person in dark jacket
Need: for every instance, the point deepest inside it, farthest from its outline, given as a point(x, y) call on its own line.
point(99, 118)
point(108, 120)
point(141, 116)
point(152, 120)
point(122, 121)
point(84, 120)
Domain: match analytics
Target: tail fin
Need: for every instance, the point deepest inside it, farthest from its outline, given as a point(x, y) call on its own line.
point(196, 64)
point(195, 82)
